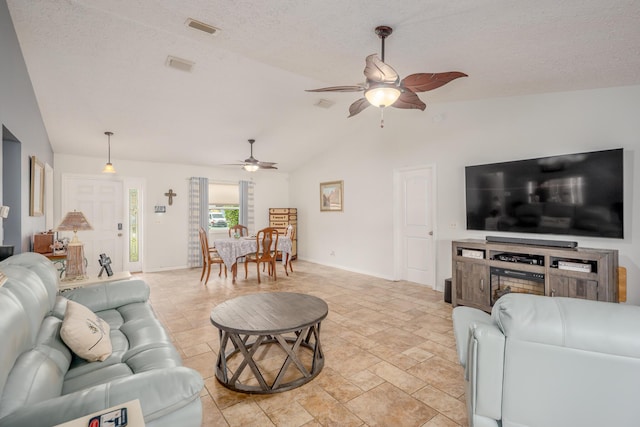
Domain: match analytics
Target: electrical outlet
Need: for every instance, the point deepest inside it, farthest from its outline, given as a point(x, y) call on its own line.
point(453, 225)
point(332, 253)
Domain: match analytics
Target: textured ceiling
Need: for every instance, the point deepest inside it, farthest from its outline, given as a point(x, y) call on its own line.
point(100, 65)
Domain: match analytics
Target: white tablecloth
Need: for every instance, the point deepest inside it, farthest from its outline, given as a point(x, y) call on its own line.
point(230, 249)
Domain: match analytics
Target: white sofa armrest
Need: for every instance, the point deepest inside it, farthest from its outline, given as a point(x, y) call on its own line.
point(485, 370)
point(463, 319)
point(480, 344)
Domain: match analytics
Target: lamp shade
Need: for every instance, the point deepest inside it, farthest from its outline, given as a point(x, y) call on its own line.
point(251, 167)
point(382, 95)
point(74, 221)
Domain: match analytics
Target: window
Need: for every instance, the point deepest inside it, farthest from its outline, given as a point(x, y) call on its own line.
point(134, 247)
point(224, 205)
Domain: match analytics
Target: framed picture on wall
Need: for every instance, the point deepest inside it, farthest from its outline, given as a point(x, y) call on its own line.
point(331, 196)
point(36, 203)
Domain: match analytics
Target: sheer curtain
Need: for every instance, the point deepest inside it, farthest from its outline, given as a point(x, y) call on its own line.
point(198, 217)
point(247, 216)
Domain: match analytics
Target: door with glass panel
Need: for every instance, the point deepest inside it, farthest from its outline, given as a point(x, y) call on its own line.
point(113, 207)
point(100, 200)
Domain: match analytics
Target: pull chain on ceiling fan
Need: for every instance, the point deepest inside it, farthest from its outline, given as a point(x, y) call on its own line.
point(383, 87)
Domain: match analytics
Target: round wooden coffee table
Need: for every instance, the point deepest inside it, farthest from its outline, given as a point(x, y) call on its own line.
point(288, 323)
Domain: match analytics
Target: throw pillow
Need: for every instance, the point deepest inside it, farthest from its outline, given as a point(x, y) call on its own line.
point(86, 334)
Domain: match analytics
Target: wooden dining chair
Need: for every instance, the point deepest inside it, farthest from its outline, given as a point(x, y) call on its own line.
point(241, 229)
point(209, 256)
point(267, 242)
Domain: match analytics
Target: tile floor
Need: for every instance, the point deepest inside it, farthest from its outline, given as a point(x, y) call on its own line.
point(389, 350)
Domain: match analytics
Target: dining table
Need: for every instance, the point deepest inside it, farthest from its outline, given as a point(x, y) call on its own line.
point(232, 248)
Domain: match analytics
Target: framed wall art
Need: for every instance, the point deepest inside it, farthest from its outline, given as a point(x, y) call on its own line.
point(331, 196)
point(36, 202)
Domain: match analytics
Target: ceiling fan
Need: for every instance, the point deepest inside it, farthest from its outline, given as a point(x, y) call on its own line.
point(252, 164)
point(384, 88)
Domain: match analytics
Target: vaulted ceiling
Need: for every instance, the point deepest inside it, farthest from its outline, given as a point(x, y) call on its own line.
point(100, 66)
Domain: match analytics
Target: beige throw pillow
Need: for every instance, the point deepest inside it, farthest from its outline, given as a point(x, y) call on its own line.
point(86, 334)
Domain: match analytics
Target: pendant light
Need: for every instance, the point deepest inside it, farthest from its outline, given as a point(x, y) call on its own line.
point(108, 168)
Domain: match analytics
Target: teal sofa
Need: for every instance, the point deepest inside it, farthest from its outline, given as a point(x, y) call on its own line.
point(42, 382)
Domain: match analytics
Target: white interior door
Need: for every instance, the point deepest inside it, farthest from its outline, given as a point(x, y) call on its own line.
point(415, 251)
point(100, 200)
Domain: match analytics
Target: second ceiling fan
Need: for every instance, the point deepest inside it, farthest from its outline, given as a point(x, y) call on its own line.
point(383, 87)
point(252, 164)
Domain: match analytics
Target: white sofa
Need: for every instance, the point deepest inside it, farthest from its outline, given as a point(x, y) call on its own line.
point(544, 362)
point(43, 383)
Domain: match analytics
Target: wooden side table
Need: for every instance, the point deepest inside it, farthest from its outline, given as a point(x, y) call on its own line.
point(66, 285)
point(59, 261)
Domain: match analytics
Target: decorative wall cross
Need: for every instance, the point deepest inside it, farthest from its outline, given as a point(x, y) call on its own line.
point(170, 195)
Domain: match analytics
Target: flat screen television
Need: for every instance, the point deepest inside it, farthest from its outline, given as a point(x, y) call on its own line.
point(576, 194)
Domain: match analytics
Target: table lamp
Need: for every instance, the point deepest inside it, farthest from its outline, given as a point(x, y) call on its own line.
point(74, 221)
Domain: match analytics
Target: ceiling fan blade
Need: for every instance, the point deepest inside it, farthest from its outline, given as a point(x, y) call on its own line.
point(358, 106)
point(379, 72)
point(267, 164)
point(354, 88)
point(267, 167)
point(409, 100)
point(422, 82)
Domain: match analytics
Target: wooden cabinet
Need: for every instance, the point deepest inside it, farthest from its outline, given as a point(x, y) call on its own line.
point(43, 243)
point(484, 271)
point(281, 218)
point(472, 284)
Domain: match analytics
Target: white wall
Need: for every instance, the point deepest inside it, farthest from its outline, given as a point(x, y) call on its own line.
point(165, 235)
point(451, 136)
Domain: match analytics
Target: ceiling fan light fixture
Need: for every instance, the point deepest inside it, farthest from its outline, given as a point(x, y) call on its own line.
point(382, 95)
point(251, 167)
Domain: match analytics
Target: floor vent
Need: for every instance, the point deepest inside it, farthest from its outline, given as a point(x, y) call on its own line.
point(201, 26)
point(179, 63)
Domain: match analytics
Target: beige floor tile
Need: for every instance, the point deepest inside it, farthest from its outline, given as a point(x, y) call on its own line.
point(441, 374)
point(387, 405)
point(441, 421)
point(292, 415)
point(396, 376)
point(390, 355)
point(245, 414)
point(443, 403)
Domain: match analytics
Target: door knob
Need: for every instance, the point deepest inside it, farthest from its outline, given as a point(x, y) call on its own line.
point(431, 233)
point(119, 234)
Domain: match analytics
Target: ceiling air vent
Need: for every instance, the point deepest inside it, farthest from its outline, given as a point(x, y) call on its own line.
point(201, 26)
point(179, 63)
point(324, 103)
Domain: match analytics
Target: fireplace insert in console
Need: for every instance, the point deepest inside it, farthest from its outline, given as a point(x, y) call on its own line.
point(507, 280)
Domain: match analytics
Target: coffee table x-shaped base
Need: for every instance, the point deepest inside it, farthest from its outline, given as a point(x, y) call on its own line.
point(305, 339)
